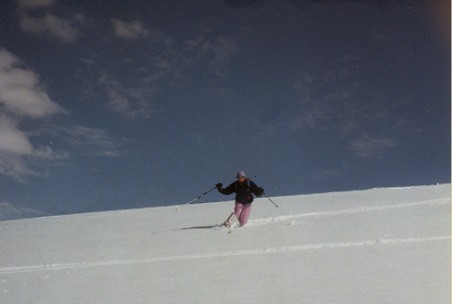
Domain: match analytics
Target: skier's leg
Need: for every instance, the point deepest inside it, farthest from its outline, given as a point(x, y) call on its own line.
point(245, 214)
point(238, 209)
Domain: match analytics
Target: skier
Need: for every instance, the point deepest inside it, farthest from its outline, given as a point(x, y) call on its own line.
point(244, 188)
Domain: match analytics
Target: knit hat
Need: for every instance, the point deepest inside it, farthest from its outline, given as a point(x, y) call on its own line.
point(241, 173)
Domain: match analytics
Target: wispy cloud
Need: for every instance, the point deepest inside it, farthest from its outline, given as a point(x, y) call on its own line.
point(341, 104)
point(10, 212)
point(320, 102)
point(131, 102)
point(92, 141)
point(46, 23)
point(34, 4)
point(131, 87)
point(129, 30)
point(22, 97)
point(215, 51)
point(371, 147)
point(327, 174)
point(62, 29)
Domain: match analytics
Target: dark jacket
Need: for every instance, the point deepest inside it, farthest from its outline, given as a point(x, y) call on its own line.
point(243, 191)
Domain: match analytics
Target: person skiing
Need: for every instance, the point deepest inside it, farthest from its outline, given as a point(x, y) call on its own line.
point(244, 188)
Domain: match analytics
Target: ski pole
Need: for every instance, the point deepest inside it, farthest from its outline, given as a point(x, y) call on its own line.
point(268, 197)
point(197, 198)
point(271, 200)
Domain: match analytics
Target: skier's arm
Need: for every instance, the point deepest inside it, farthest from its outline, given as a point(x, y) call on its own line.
point(258, 191)
point(226, 191)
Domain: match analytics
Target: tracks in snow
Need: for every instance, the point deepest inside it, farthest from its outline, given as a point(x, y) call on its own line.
point(271, 250)
point(283, 218)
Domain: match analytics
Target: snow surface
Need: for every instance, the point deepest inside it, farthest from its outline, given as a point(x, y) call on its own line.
point(374, 246)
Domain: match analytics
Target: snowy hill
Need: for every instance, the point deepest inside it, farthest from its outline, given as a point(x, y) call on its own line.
point(374, 246)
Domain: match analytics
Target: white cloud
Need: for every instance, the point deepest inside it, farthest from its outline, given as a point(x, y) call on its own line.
point(62, 29)
point(21, 93)
point(35, 18)
point(129, 30)
point(12, 140)
point(18, 157)
point(22, 97)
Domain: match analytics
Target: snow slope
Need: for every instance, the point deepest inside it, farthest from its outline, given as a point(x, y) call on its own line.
point(374, 246)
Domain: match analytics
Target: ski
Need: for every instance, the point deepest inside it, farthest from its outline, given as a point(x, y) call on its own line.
point(231, 222)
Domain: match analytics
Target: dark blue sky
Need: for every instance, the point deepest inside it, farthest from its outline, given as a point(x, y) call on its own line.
point(112, 104)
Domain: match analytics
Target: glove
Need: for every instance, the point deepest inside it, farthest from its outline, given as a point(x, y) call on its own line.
point(219, 185)
point(260, 192)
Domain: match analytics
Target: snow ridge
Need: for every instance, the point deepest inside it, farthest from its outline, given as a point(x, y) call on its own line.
point(283, 218)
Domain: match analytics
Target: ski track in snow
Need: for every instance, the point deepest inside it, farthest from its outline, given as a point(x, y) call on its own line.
point(258, 251)
point(283, 249)
point(282, 218)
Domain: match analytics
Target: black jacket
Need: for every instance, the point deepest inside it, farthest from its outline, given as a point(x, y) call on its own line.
point(243, 191)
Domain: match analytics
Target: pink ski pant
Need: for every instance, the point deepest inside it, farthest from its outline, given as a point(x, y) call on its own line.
point(242, 212)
